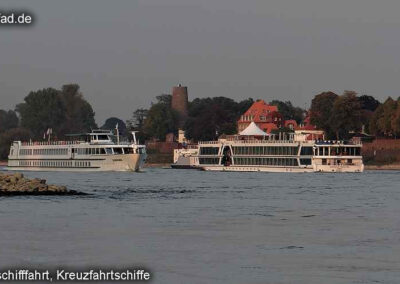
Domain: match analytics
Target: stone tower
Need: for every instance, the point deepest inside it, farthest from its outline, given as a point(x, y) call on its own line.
point(180, 103)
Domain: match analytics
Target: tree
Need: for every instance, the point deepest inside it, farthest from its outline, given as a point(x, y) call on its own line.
point(346, 114)
point(165, 99)
point(368, 103)
point(41, 110)
point(79, 114)
point(385, 121)
point(10, 135)
point(65, 111)
point(289, 111)
point(381, 120)
point(211, 117)
point(373, 122)
point(112, 122)
point(244, 105)
point(136, 123)
point(396, 119)
point(137, 120)
point(321, 112)
point(160, 119)
point(8, 120)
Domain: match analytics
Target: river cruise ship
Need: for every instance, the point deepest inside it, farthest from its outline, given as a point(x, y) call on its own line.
point(258, 151)
point(95, 151)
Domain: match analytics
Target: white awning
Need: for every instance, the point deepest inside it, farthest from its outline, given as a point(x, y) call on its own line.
point(253, 129)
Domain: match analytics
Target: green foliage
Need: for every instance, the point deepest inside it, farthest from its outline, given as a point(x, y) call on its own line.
point(41, 110)
point(10, 135)
point(321, 112)
point(346, 115)
point(79, 114)
point(384, 120)
point(289, 111)
point(165, 99)
point(112, 122)
point(161, 119)
point(211, 117)
point(368, 103)
point(65, 111)
point(368, 106)
point(396, 120)
point(8, 120)
point(137, 120)
point(136, 123)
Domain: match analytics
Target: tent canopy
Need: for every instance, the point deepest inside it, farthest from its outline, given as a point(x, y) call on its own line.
point(253, 129)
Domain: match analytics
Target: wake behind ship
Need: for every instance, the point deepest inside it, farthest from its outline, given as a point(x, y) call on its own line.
point(95, 151)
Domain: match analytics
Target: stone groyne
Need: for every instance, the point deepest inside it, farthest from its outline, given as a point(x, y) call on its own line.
point(16, 184)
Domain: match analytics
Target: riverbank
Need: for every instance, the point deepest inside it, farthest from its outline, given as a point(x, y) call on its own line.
point(389, 167)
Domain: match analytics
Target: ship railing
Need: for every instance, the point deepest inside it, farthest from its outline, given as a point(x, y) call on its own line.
point(191, 146)
point(51, 143)
point(337, 142)
point(250, 141)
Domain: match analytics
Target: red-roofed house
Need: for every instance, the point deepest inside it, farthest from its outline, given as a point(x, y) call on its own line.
point(309, 131)
point(291, 124)
point(264, 115)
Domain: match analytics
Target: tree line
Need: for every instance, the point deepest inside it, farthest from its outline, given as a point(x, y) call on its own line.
point(207, 118)
point(341, 116)
point(62, 110)
point(66, 111)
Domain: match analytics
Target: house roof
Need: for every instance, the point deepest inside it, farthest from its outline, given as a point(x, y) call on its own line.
point(260, 108)
point(267, 126)
point(291, 121)
point(253, 129)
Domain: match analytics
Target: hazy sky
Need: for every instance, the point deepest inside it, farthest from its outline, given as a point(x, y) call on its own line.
point(124, 53)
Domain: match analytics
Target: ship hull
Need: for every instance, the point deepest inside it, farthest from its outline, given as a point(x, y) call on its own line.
point(127, 162)
point(257, 169)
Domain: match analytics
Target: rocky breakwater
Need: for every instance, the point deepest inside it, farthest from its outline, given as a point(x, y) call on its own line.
point(16, 184)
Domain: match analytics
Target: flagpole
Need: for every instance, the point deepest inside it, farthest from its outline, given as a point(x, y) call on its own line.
point(116, 127)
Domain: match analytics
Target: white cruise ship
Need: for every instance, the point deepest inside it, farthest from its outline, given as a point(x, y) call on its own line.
point(95, 151)
point(255, 150)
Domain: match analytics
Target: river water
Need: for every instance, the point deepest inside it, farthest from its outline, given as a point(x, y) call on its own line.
point(188, 226)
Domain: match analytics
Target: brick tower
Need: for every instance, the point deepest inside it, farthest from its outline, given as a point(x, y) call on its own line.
point(180, 103)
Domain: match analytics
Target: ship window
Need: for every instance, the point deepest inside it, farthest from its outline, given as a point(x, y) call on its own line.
point(305, 161)
point(128, 150)
point(306, 151)
point(209, 161)
point(209, 150)
point(109, 151)
point(102, 137)
point(118, 151)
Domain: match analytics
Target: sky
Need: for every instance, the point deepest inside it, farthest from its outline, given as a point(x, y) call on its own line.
point(125, 53)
